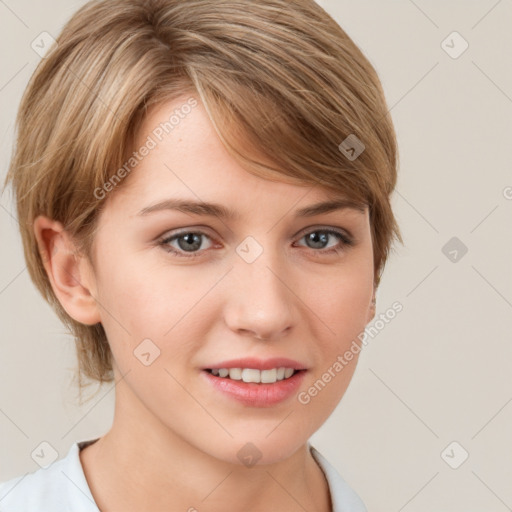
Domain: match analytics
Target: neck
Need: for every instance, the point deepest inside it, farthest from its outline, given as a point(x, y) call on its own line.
point(132, 471)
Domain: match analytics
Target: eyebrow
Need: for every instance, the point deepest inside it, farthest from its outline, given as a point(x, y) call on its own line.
point(218, 210)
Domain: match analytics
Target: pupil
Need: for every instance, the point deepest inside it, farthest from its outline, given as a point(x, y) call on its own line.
point(193, 241)
point(315, 237)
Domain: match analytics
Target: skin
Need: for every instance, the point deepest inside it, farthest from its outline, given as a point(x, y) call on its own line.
point(174, 440)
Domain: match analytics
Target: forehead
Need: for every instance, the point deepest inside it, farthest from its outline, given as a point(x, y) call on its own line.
point(187, 163)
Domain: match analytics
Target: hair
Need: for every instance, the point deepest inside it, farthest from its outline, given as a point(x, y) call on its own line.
point(278, 79)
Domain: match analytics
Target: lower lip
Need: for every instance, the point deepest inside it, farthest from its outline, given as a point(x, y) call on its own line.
point(257, 395)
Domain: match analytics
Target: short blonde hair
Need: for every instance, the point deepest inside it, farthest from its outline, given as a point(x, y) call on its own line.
point(277, 76)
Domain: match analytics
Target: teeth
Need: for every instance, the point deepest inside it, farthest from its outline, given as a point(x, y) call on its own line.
point(235, 373)
point(253, 375)
point(269, 376)
point(250, 375)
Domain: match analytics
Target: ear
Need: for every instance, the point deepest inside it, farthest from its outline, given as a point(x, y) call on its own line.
point(70, 274)
point(373, 307)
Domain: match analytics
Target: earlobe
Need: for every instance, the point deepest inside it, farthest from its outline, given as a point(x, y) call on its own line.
point(371, 313)
point(66, 270)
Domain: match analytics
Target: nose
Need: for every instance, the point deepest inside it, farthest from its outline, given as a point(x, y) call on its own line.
point(261, 302)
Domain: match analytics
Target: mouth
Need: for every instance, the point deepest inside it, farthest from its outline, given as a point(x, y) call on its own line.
point(255, 382)
point(248, 375)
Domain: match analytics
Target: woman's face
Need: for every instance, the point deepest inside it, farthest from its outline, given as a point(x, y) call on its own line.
point(184, 292)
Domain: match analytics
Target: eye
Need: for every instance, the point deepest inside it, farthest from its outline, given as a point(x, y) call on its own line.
point(318, 239)
point(187, 241)
point(188, 244)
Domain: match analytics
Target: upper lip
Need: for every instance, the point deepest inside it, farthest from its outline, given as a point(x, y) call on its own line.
point(258, 364)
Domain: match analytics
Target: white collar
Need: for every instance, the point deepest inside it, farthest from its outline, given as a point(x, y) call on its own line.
point(63, 484)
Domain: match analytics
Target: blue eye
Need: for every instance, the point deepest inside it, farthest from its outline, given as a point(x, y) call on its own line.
point(321, 237)
point(191, 242)
point(188, 241)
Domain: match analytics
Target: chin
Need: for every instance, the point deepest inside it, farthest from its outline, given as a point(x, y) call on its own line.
point(260, 449)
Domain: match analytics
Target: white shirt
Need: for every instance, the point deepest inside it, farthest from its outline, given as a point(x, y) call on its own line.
point(62, 487)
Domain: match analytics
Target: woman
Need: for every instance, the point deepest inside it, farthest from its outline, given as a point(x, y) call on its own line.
point(203, 191)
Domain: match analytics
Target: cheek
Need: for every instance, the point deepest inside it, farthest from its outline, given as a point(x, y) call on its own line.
point(343, 303)
point(164, 305)
point(342, 306)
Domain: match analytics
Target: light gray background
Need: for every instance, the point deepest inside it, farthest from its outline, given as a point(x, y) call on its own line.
point(440, 371)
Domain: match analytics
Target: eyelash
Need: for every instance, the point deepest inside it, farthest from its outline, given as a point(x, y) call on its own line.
point(345, 240)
